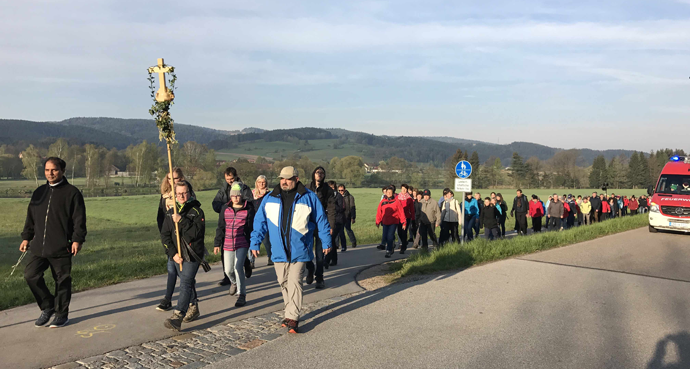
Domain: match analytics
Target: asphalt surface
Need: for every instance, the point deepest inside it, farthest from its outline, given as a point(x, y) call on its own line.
point(620, 301)
point(123, 315)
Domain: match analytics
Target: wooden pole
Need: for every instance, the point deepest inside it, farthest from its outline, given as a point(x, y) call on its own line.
point(172, 185)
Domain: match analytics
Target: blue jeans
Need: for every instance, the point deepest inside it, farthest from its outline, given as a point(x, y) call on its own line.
point(389, 236)
point(476, 227)
point(187, 285)
point(469, 226)
point(172, 280)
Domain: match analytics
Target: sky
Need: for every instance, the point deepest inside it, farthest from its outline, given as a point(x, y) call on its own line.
point(570, 74)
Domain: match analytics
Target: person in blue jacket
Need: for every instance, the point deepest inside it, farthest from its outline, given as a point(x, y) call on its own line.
point(471, 214)
point(290, 214)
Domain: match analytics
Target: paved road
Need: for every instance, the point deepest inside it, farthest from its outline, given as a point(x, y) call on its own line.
point(122, 315)
point(621, 301)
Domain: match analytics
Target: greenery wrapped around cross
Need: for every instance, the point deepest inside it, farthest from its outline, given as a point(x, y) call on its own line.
point(162, 100)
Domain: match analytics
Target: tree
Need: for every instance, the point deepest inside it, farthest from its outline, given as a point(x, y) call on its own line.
point(109, 159)
point(474, 161)
point(74, 156)
point(92, 164)
point(635, 174)
point(450, 166)
point(58, 148)
point(352, 170)
point(143, 161)
point(616, 173)
point(31, 160)
point(599, 172)
point(517, 169)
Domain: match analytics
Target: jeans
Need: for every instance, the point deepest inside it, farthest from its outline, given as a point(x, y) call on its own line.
point(347, 227)
point(172, 280)
point(389, 236)
point(469, 225)
point(187, 285)
point(61, 269)
point(476, 227)
point(234, 267)
point(318, 258)
point(491, 233)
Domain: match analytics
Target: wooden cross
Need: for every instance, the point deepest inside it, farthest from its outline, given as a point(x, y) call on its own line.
point(163, 94)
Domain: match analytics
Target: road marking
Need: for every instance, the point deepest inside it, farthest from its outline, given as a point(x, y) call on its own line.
point(101, 328)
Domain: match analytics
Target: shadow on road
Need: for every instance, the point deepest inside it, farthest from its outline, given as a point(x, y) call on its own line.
point(682, 347)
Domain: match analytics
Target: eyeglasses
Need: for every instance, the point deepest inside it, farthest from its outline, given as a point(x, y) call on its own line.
point(341, 190)
point(180, 194)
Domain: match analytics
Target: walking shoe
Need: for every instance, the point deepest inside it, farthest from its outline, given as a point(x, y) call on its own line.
point(284, 323)
point(45, 317)
point(416, 246)
point(174, 322)
point(165, 305)
point(192, 313)
point(381, 247)
point(402, 252)
point(224, 282)
point(269, 263)
point(326, 265)
point(354, 245)
point(241, 301)
point(320, 285)
point(253, 263)
point(233, 289)
point(388, 254)
point(334, 263)
point(310, 276)
point(59, 321)
point(248, 270)
point(292, 325)
point(343, 249)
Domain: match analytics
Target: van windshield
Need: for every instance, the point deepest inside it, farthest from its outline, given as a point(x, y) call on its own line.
point(674, 184)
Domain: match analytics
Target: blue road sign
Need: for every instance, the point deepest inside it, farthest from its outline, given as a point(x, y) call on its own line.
point(463, 169)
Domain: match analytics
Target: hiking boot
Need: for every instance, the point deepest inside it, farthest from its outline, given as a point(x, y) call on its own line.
point(334, 263)
point(310, 276)
point(233, 289)
point(241, 301)
point(292, 325)
point(192, 313)
point(343, 249)
point(164, 305)
point(44, 318)
point(381, 247)
point(224, 282)
point(174, 322)
point(320, 285)
point(388, 254)
point(59, 321)
point(326, 265)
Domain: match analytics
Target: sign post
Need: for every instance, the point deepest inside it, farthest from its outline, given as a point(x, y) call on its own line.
point(462, 184)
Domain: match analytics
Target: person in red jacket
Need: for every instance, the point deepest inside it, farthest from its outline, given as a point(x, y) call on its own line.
point(566, 212)
point(605, 208)
point(536, 212)
point(390, 213)
point(633, 205)
point(407, 203)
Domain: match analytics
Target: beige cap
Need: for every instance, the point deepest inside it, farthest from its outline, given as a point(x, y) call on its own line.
point(288, 172)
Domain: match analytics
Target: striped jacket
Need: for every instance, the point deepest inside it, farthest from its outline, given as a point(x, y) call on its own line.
point(234, 227)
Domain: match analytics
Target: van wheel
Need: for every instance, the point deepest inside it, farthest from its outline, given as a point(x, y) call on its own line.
point(653, 230)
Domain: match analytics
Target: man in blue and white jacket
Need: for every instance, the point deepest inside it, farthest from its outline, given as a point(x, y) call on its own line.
point(290, 214)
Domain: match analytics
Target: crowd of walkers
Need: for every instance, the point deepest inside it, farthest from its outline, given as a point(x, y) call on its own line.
point(415, 211)
point(299, 226)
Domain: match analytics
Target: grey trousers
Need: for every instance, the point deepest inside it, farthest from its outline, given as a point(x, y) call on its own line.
point(233, 261)
point(290, 277)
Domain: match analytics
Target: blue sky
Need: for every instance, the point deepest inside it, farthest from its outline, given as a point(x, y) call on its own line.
point(592, 74)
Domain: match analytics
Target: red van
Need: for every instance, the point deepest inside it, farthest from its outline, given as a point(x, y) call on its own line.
point(669, 208)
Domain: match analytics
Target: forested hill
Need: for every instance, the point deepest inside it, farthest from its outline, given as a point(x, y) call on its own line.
point(316, 143)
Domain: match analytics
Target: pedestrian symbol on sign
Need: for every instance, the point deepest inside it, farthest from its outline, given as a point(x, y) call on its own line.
point(463, 169)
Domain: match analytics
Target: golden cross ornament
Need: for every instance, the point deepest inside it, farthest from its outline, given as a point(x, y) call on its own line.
point(163, 94)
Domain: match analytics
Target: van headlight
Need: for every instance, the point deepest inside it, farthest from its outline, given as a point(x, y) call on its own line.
point(654, 208)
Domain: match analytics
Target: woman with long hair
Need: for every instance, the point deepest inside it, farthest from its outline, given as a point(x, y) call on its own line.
point(503, 214)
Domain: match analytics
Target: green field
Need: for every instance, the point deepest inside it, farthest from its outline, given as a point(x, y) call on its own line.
point(322, 150)
point(30, 184)
point(123, 242)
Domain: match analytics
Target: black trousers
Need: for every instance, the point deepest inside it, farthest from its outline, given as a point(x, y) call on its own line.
point(402, 234)
point(502, 225)
point(521, 221)
point(554, 223)
point(347, 227)
point(332, 256)
point(61, 268)
point(318, 258)
point(536, 224)
point(449, 232)
point(426, 231)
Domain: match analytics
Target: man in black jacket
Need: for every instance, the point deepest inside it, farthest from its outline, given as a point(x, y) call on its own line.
point(222, 198)
point(520, 209)
point(191, 224)
point(350, 215)
point(326, 196)
point(54, 231)
point(488, 218)
point(596, 207)
point(332, 258)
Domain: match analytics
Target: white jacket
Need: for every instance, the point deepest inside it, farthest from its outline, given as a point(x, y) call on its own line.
point(450, 210)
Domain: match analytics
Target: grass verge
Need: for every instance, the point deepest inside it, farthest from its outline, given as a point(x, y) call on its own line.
point(455, 256)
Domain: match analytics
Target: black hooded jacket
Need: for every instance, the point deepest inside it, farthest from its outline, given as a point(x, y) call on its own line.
point(223, 195)
point(326, 196)
point(56, 217)
point(192, 230)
